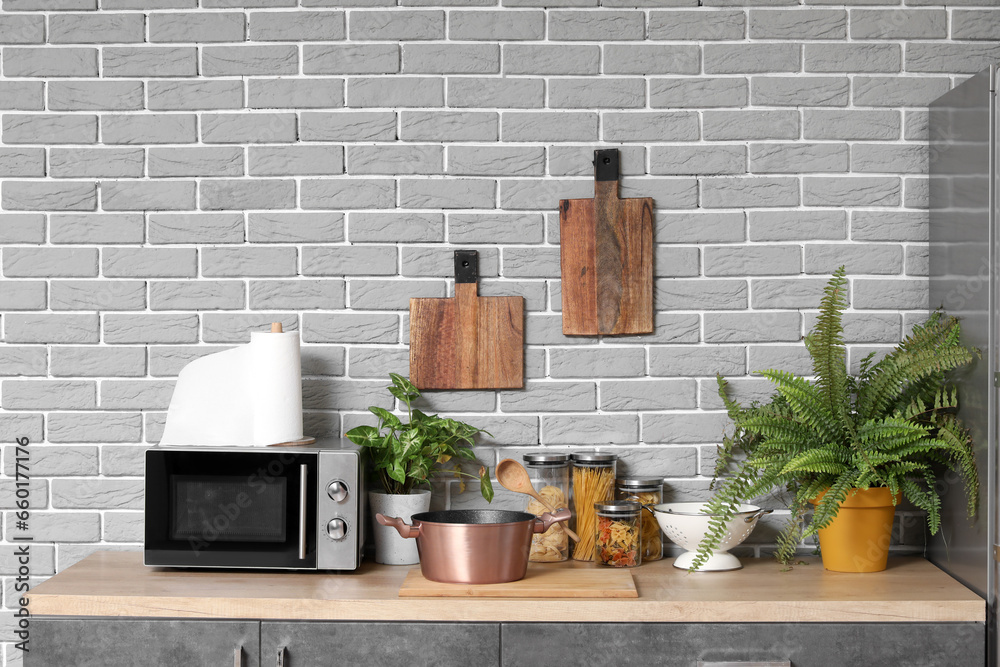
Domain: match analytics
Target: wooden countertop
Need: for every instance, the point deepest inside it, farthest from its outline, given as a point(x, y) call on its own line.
point(118, 584)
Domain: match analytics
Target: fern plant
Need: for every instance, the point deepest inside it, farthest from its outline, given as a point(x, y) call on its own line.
point(892, 425)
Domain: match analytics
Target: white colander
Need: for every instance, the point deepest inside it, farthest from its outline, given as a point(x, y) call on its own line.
point(686, 525)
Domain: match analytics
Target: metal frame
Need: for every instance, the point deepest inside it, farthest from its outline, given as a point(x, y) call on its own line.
point(993, 576)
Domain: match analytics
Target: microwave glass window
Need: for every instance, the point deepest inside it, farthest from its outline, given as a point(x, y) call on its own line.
point(228, 508)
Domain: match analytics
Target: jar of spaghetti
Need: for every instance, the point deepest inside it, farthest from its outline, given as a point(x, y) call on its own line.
point(549, 473)
point(647, 491)
point(616, 538)
point(593, 482)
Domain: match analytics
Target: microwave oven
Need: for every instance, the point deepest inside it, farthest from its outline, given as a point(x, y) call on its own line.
point(294, 508)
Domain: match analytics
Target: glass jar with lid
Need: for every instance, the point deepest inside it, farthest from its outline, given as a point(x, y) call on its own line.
point(617, 533)
point(549, 473)
point(649, 492)
point(593, 482)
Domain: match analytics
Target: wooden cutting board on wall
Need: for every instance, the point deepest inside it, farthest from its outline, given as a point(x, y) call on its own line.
point(469, 341)
point(607, 257)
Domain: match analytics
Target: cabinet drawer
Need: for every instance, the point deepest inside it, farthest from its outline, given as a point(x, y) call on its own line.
point(105, 642)
point(804, 644)
point(320, 644)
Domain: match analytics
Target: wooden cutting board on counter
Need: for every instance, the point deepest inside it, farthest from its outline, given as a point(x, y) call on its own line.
point(607, 258)
point(469, 341)
point(542, 581)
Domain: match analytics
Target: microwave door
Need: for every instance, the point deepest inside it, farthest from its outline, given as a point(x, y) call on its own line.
point(220, 509)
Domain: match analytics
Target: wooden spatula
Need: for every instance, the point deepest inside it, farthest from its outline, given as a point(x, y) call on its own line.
point(607, 257)
point(469, 341)
point(514, 477)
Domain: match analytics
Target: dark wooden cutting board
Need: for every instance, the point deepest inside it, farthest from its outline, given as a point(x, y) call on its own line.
point(469, 341)
point(607, 257)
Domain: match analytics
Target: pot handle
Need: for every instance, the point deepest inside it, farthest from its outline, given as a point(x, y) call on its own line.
point(405, 529)
point(543, 522)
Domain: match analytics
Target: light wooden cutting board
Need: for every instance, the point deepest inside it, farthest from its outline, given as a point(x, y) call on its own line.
point(542, 581)
point(469, 341)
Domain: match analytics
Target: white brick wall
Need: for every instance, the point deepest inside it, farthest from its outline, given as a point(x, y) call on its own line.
point(173, 177)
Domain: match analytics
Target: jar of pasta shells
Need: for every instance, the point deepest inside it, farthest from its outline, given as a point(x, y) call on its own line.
point(648, 491)
point(617, 534)
point(549, 473)
point(593, 482)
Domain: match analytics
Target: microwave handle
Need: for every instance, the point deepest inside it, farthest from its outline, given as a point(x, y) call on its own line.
point(303, 502)
point(238, 657)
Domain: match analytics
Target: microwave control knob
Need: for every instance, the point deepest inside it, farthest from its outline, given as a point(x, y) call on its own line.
point(337, 490)
point(336, 529)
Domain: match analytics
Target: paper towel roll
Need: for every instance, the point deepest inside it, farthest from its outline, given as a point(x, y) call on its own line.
point(250, 395)
point(276, 387)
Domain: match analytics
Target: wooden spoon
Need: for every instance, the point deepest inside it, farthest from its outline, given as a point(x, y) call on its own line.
point(513, 477)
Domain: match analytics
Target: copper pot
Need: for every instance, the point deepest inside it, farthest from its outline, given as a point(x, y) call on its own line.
point(474, 546)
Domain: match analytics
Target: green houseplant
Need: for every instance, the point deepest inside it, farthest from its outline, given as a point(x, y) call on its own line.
point(892, 428)
point(403, 456)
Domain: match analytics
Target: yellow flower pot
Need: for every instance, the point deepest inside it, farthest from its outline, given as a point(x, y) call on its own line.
point(857, 540)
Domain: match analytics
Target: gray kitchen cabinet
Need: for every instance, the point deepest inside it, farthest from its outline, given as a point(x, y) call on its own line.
point(800, 644)
point(379, 644)
point(103, 642)
point(113, 642)
point(280, 609)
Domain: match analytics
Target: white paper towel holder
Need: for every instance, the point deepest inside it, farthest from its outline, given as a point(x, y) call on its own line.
point(302, 442)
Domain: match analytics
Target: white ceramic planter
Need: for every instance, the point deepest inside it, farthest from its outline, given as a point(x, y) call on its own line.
point(390, 548)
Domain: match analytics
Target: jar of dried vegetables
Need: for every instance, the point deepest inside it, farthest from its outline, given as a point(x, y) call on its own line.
point(549, 473)
point(616, 538)
point(593, 482)
point(649, 492)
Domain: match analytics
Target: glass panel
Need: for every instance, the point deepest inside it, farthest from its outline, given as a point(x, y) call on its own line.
point(228, 508)
point(961, 272)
